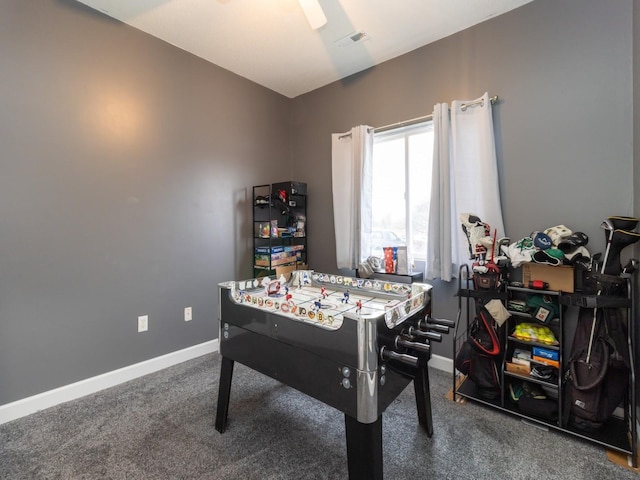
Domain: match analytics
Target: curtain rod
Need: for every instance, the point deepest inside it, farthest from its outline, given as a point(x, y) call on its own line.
point(413, 121)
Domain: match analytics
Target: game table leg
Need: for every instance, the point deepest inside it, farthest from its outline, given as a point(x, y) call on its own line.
point(224, 392)
point(364, 449)
point(423, 398)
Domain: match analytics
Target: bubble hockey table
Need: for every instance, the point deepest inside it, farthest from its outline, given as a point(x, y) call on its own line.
point(354, 344)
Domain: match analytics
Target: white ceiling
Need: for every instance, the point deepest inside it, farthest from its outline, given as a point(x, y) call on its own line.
point(271, 43)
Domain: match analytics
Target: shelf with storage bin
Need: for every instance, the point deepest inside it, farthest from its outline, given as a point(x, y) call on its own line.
point(279, 227)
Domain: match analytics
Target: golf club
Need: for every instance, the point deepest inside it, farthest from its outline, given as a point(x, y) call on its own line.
point(607, 225)
point(631, 266)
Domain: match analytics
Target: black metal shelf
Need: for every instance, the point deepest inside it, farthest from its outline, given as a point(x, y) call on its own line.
point(613, 435)
point(553, 293)
point(533, 343)
point(618, 434)
point(531, 379)
point(271, 212)
point(468, 389)
point(528, 316)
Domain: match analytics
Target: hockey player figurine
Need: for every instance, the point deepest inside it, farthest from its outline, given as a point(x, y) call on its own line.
point(345, 297)
point(317, 305)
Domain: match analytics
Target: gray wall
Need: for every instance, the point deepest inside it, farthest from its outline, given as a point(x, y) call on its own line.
point(563, 71)
point(124, 168)
point(125, 165)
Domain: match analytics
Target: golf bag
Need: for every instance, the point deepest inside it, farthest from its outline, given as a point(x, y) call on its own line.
point(479, 356)
point(597, 374)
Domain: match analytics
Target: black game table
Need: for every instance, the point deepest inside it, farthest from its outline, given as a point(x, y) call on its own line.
point(352, 343)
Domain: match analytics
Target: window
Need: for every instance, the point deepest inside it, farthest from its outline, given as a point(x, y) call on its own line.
point(401, 189)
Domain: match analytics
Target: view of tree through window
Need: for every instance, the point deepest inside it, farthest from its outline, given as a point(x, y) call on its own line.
point(401, 189)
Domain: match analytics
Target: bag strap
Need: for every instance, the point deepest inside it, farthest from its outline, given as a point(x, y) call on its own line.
point(486, 320)
point(603, 372)
point(594, 301)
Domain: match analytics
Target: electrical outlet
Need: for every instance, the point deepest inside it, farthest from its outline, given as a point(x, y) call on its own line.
point(143, 323)
point(188, 314)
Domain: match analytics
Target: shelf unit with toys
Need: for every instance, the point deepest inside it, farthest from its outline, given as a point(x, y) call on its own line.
point(279, 227)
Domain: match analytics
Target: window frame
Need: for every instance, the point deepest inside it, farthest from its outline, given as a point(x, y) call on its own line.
point(405, 132)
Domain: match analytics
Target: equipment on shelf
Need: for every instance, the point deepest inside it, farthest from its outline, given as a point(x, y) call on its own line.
point(479, 356)
point(574, 390)
point(600, 361)
point(279, 227)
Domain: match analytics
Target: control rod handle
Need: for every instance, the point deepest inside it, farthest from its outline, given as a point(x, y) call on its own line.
point(434, 327)
point(411, 345)
point(441, 321)
point(399, 357)
point(436, 337)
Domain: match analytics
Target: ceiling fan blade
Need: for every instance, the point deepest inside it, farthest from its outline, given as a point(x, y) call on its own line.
point(314, 13)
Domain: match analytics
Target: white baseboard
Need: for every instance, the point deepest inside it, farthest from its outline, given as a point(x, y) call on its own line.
point(29, 405)
point(441, 363)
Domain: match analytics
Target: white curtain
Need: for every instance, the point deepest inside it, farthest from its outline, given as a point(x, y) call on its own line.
point(351, 169)
point(464, 180)
point(439, 253)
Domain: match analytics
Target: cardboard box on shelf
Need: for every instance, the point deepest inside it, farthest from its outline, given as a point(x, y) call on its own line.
point(274, 259)
point(546, 361)
point(278, 249)
point(558, 278)
point(517, 368)
point(272, 249)
point(522, 354)
point(520, 361)
point(288, 269)
point(546, 353)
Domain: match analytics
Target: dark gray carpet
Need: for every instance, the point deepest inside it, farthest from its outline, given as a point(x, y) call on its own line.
point(161, 427)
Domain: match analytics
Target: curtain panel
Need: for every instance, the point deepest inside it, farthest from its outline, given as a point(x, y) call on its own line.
point(464, 180)
point(351, 169)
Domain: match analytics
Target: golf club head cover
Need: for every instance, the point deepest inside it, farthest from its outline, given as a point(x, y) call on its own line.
point(573, 242)
point(557, 233)
point(619, 240)
point(623, 223)
point(474, 229)
point(541, 240)
point(580, 252)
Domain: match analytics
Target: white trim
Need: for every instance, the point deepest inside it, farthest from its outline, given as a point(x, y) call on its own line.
point(441, 363)
point(29, 405)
